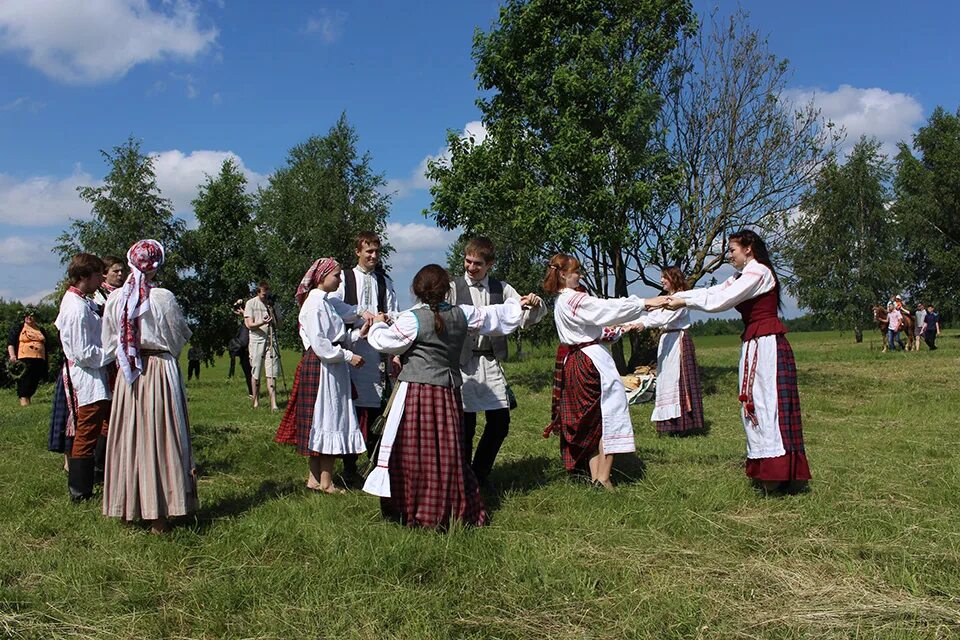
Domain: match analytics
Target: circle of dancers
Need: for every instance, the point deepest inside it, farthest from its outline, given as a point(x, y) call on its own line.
point(405, 387)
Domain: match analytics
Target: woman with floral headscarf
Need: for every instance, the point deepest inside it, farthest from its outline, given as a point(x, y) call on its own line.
point(320, 419)
point(149, 471)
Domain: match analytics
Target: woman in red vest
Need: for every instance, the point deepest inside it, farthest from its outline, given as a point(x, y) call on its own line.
point(770, 403)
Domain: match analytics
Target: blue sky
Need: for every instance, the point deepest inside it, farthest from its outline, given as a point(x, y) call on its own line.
point(198, 81)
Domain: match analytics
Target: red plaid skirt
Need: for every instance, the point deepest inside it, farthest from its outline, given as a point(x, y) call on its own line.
point(430, 482)
point(576, 408)
point(691, 398)
point(297, 419)
point(792, 465)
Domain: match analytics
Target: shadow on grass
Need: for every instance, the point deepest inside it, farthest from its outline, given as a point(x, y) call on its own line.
point(628, 468)
point(518, 476)
point(712, 379)
point(237, 504)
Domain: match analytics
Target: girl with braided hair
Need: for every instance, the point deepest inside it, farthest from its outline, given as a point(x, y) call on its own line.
point(422, 474)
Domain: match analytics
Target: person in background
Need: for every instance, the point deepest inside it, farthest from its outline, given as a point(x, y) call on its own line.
point(931, 327)
point(895, 319)
point(149, 468)
point(87, 390)
point(238, 348)
point(194, 356)
point(919, 315)
point(112, 280)
point(263, 351)
point(27, 344)
point(484, 383)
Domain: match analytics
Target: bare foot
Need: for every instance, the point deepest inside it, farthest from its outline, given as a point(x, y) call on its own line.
point(159, 526)
point(606, 484)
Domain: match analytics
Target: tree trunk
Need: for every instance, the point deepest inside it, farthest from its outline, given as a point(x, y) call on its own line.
point(619, 291)
point(858, 332)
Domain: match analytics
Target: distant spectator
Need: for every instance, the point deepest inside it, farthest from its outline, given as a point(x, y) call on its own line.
point(26, 343)
point(194, 356)
point(919, 316)
point(931, 327)
point(238, 347)
point(895, 318)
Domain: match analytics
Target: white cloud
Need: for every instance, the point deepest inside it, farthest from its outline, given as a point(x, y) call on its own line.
point(17, 250)
point(94, 41)
point(415, 245)
point(23, 103)
point(42, 200)
point(403, 187)
point(328, 25)
point(878, 113)
point(179, 175)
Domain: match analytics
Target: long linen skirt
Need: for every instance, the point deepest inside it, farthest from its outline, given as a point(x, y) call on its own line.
point(431, 483)
point(149, 471)
point(691, 397)
point(580, 419)
point(792, 465)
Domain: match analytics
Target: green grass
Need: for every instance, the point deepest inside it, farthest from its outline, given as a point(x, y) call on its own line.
point(683, 549)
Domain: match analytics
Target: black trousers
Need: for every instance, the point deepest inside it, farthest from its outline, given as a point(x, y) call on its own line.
point(35, 369)
point(931, 340)
point(494, 433)
point(193, 368)
point(244, 359)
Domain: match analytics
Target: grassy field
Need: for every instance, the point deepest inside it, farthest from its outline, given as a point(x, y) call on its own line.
point(684, 548)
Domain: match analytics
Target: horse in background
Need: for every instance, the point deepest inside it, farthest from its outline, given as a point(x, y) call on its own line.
point(907, 325)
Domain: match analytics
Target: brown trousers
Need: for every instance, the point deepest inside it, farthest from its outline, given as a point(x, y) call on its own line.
point(92, 422)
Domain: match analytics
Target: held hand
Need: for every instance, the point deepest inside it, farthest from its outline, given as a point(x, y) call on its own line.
point(396, 366)
point(655, 303)
point(368, 317)
point(365, 329)
point(675, 303)
point(381, 317)
point(530, 301)
point(13, 358)
point(356, 361)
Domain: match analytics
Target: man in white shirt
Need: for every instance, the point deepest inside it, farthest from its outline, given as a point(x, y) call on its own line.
point(88, 393)
point(368, 288)
point(263, 347)
point(484, 385)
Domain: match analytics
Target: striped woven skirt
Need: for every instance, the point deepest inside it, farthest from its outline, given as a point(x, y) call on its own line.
point(691, 397)
point(149, 470)
point(431, 483)
point(793, 464)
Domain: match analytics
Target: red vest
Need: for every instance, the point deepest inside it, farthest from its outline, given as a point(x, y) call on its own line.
point(760, 316)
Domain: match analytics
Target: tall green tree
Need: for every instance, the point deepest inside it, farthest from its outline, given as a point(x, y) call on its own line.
point(314, 206)
point(127, 207)
point(571, 106)
point(927, 189)
point(223, 258)
point(843, 245)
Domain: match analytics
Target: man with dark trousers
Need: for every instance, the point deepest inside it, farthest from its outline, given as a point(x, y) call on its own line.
point(370, 290)
point(484, 385)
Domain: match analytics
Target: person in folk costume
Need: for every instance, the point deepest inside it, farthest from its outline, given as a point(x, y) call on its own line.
point(85, 385)
point(370, 290)
point(678, 409)
point(149, 472)
point(112, 280)
point(422, 475)
point(769, 400)
point(589, 408)
point(484, 384)
point(320, 418)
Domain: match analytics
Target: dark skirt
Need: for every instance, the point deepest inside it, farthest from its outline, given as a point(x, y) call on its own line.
point(431, 483)
point(57, 438)
point(580, 419)
point(691, 398)
point(793, 464)
point(297, 419)
point(35, 369)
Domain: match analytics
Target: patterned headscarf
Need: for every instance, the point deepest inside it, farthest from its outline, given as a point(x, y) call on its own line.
point(319, 270)
point(144, 257)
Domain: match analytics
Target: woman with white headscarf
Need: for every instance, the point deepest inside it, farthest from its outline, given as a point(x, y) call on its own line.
point(320, 419)
point(149, 471)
